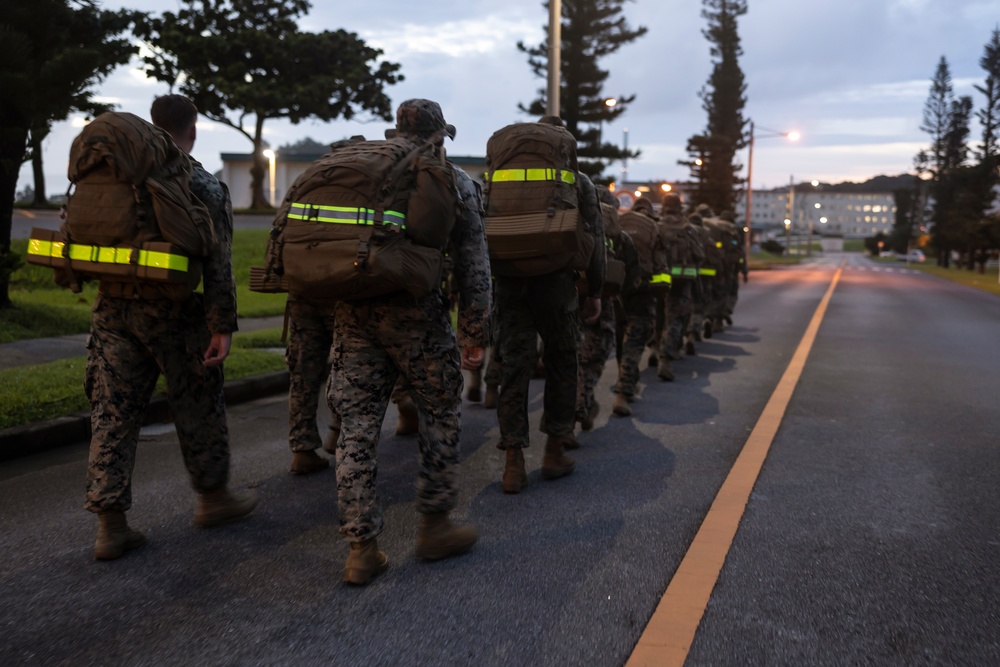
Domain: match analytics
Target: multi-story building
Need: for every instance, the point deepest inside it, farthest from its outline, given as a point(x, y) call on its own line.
point(829, 212)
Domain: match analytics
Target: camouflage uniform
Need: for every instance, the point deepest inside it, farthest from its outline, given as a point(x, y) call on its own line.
point(545, 306)
point(380, 338)
point(636, 318)
point(133, 340)
point(310, 337)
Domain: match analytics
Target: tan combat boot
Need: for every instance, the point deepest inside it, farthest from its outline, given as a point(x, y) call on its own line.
point(475, 393)
point(114, 537)
point(492, 396)
point(514, 476)
point(439, 538)
point(665, 370)
point(621, 407)
point(555, 463)
point(219, 507)
point(409, 422)
point(363, 562)
point(587, 423)
point(307, 462)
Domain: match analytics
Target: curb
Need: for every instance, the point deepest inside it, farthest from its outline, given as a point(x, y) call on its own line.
point(34, 438)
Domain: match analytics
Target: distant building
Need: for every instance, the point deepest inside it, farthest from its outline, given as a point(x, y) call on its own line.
point(289, 165)
point(840, 212)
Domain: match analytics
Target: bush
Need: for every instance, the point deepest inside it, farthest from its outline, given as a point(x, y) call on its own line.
point(772, 247)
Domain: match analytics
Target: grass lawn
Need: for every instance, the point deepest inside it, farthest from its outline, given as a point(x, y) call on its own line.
point(987, 282)
point(31, 394)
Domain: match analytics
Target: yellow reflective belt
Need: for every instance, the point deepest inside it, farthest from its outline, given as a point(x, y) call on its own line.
point(683, 271)
point(718, 244)
point(108, 255)
point(661, 279)
point(163, 260)
point(540, 174)
point(45, 248)
point(707, 272)
point(344, 215)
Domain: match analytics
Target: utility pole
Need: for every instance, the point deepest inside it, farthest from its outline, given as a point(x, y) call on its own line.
point(555, 57)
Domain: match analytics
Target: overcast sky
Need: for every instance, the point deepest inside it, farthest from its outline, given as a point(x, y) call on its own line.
point(851, 75)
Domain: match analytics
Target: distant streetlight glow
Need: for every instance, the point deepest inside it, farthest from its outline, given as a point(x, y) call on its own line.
point(610, 102)
point(791, 136)
point(666, 187)
point(269, 154)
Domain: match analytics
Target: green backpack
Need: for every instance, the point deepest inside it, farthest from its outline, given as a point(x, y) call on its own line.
point(369, 218)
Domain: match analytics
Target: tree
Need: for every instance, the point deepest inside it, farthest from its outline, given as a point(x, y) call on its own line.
point(243, 59)
point(53, 53)
point(713, 152)
point(591, 30)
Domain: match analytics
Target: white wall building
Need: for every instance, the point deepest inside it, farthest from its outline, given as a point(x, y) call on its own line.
point(835, 213)
point(287, 167)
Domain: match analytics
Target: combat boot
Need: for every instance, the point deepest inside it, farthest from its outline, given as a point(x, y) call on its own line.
point(621, 407)
point(332, 437)
point(114, 537)
point(665, 370)
point(219, 507)
point(707, 326)
point(307, 462)
point(439, 538)
point(492, 396)
point(408, 423)
point(514, 477)
point(652, 361)
point(475, 393)
point(689, 348)
point(364, 561)
point(555, 463)
point(587, 423)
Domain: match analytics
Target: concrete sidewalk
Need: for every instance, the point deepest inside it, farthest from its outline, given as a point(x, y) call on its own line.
point(32, 438)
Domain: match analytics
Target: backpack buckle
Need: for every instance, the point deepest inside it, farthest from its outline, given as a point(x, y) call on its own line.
point(364, 244)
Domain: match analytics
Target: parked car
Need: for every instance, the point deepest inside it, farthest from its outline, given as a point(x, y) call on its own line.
point(915, 256)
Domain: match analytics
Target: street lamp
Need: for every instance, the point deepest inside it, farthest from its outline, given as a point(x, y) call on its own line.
point(269, 154)
point(791, 136)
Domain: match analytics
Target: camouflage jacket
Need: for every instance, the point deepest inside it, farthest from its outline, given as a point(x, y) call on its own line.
point(471, 265)
point(218, 281)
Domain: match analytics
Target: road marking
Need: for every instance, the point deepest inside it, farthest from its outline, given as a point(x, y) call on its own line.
point(27, 214)
point(668, 635)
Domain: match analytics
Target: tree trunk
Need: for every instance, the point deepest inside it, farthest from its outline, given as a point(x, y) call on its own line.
point(12, 147)
point(36, 166)
point(258, 200)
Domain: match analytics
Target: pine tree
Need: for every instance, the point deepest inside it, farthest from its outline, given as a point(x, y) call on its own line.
point(713, 152)
point(591, 30)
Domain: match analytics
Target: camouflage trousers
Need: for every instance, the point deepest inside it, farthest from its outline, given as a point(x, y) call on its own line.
point(546, 306)
point(636, 319)
point(597, 341)
point(673, 312)
point(376, 341)
point(310, 337)
point(131, 343)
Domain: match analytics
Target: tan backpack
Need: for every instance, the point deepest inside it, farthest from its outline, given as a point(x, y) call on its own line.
point(533, 224)
point(645, 235)
point(131, 216)
point(368, 218)
point(682, 244)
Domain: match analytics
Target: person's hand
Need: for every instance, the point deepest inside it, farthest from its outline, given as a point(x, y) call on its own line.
point(218, 349)
point(591, 309)
point(472, 358)
point(746, 277)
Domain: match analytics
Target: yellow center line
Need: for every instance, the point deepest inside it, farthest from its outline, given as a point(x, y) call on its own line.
point(668, 635)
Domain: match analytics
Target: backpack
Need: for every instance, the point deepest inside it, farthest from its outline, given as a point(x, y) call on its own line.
point(130, 214)
point(684, 251)
point(614, 275)
point(368, 218)
point(533, 223)
point(645, 235)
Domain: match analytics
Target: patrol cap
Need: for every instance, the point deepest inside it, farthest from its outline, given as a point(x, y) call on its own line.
point(422, 117)
point(643, 205)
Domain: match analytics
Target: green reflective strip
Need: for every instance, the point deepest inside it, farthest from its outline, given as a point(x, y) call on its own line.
point(660, 279)
point(163, 260)
point(343, 215)
point(683, 271)
point(707, 272)
point(541, 174)
point(45, 248)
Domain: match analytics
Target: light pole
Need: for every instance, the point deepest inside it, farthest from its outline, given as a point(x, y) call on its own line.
point(625, 155)
point(792, 136)
point(555, 57)
point(610, 104)
point(270, 155)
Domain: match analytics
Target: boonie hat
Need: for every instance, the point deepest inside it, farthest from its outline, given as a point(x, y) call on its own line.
point(419, 116)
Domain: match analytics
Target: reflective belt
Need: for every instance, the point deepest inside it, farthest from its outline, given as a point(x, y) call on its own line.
point(718, 244)
point(688, 271)
point(707, 272)
point(344, 215)
point(104, 255)
point(661, 279)
point(540, 174)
